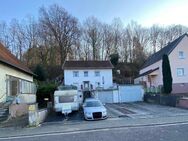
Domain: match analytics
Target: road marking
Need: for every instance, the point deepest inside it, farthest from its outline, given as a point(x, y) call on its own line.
point(90, 131)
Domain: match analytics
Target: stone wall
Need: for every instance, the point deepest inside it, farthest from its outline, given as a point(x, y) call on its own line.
point(17, 110)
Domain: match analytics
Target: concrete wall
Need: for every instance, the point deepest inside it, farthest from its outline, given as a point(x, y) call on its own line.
point(17, 110)
point(78, 81)
point(178, 88)
point(183, 103)
point(36, 116)
point(27, 98)
point(5, 70)
point(42, 114)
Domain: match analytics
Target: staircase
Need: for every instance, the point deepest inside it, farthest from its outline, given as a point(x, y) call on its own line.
point(4, 109)
point(4, 113)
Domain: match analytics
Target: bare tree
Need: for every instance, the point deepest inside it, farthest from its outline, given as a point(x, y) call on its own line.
point(4, 34)
point(154, 35)
point(92, 33)
point(31, 37)
point(135, 31)
point(17, 38)
point(64, 27)
point(117, 28)
point(124, 50)
point(107, 41)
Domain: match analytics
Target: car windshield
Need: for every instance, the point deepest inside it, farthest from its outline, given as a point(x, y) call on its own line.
point(93, 104)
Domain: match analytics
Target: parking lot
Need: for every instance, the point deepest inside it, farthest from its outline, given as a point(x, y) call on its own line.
point(123, 110)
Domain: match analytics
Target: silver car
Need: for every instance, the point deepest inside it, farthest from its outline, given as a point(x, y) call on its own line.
point(94, 109)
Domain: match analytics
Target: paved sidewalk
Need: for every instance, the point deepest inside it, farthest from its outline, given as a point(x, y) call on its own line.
point(109, 123)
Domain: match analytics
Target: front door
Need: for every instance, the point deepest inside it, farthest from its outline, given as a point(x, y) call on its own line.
point(14, 87)
point(86, 85)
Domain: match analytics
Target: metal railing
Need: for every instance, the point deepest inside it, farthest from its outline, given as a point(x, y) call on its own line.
point(2, 96)
point(154, 90)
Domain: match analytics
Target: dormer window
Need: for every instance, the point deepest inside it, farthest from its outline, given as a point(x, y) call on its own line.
point(181, 55)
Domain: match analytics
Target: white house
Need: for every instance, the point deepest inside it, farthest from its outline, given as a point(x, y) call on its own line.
point(15, 78)
point(177, 51)
point(87, 75)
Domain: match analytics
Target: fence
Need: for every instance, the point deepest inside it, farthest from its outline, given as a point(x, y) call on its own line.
point(154, 90)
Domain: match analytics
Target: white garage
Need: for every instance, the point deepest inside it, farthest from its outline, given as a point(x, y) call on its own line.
point(131, 93)
point(124, 93)
point(107, 96)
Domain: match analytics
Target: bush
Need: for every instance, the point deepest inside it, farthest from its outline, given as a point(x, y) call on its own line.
point(45, 90)
point(40, 73)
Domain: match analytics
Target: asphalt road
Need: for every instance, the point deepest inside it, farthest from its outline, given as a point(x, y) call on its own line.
point(170, 132)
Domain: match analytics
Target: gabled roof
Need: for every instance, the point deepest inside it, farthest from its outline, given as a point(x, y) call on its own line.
point(166, 50)
point(87, 65)
point(9, 59)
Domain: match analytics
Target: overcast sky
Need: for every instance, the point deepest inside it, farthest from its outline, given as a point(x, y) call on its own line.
point(145, 12)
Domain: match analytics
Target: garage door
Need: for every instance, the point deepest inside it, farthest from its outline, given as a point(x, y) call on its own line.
point(105, 96)
point(130, 93)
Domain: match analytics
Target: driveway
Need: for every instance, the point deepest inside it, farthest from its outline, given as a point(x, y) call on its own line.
point(145, 110)
point(74, 117)
point(123, 110)
point(77, 116)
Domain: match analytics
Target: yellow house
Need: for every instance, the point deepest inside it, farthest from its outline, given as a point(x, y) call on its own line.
point(16, 80)
point(151, 72)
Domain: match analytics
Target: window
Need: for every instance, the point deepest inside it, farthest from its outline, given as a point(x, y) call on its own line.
point(17, 85)
point(97, 73)
point(85, 73)
point(28, 87)
point(181, 55)
point(180, 72)
point(75, 74)
point(66, 99)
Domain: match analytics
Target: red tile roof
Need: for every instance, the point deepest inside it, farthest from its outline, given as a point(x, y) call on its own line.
point(87, 65)
point(9, 59)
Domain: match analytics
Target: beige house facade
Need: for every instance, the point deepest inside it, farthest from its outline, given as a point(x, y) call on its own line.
point(16, 80)
point(151, 73)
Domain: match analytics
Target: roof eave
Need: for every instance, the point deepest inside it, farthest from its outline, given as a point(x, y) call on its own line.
point(18, 68)
point(85, 68)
